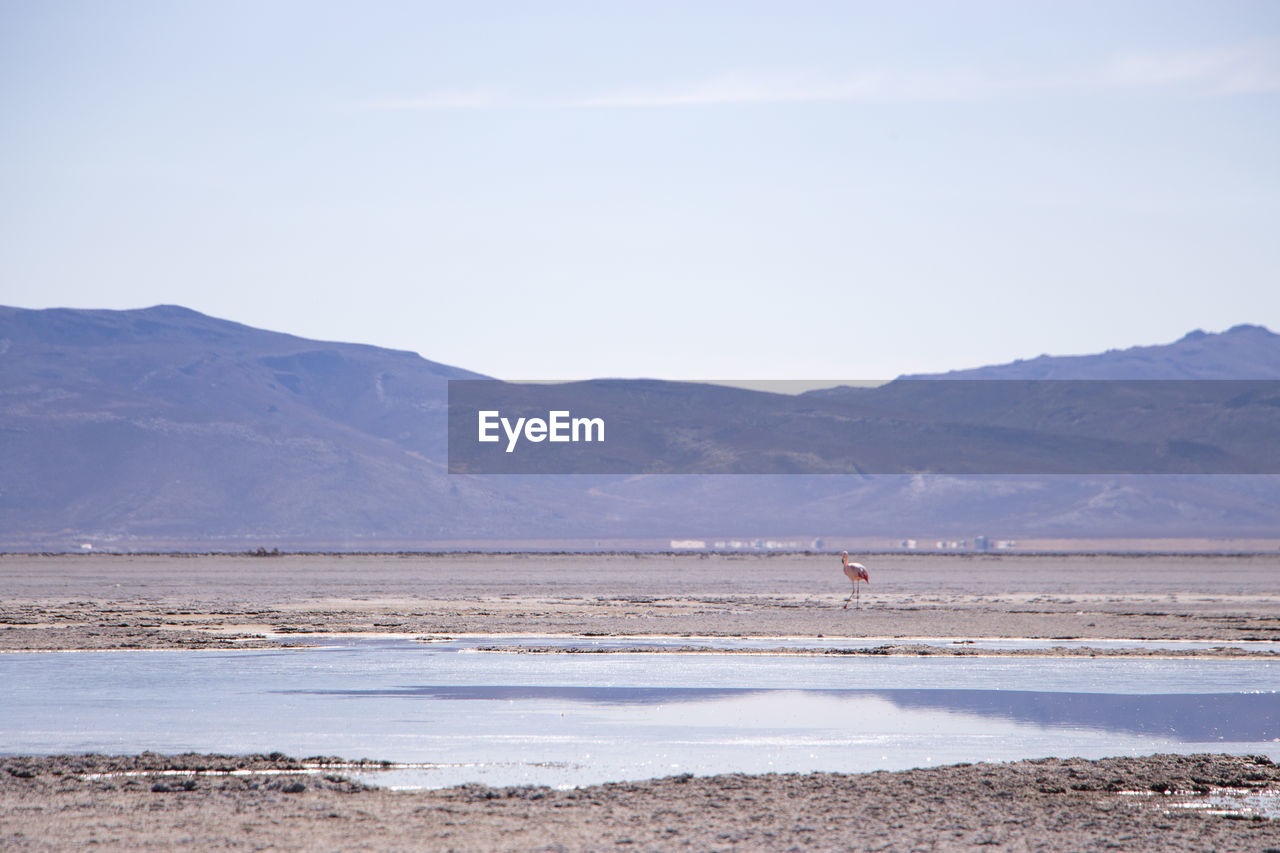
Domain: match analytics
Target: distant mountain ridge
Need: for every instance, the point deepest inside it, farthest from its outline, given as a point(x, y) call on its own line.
point(166, 428)
point(1241, 352)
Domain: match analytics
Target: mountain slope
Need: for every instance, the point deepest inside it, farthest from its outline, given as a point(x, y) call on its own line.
point(1241, 352)
point(166, 428)
point(166, 425)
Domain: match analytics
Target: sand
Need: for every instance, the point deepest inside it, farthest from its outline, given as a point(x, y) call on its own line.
point(917, 604)
point(99, 601)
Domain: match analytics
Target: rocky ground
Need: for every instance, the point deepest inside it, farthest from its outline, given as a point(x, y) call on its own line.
point(152, 802)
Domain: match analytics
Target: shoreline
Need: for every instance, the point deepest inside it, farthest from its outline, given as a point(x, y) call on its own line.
point(94, 601)
point(149, 801)
point(1225, 651)
point(706, 644)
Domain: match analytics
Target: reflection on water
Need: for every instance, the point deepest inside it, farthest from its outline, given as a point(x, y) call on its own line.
point(578, 719)
point(1236, 717)
point(588, 695)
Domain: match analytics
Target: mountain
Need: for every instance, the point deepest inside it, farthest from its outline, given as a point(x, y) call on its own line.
point(169, 427)
point(164, 428)
point(1241, 352)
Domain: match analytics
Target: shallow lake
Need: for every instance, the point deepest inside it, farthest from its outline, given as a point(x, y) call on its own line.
point(570, 719)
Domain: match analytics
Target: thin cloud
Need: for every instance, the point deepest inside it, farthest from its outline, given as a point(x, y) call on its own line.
point(1241, 70)
point(865, 87)
point(731, 89)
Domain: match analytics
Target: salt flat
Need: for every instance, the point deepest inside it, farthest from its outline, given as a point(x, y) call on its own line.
point(125, 601)
point(82, 602)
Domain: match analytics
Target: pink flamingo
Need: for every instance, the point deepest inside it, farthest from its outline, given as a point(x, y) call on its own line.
point(855, 572)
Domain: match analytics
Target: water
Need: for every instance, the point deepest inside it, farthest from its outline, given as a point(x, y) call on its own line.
point(506, 718)
point(514, 641)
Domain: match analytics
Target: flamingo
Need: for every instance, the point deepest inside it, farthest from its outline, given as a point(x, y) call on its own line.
point(855, 572)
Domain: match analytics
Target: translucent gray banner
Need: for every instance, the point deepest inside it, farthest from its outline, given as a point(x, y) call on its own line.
point(935, 426)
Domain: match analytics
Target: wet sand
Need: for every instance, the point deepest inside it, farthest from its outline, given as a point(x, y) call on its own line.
point(57, 803)
point(109, 602)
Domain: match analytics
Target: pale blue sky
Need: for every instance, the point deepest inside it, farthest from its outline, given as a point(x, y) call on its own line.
point(681, 190)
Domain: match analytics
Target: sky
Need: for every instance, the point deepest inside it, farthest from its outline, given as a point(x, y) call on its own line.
point(682, 190)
